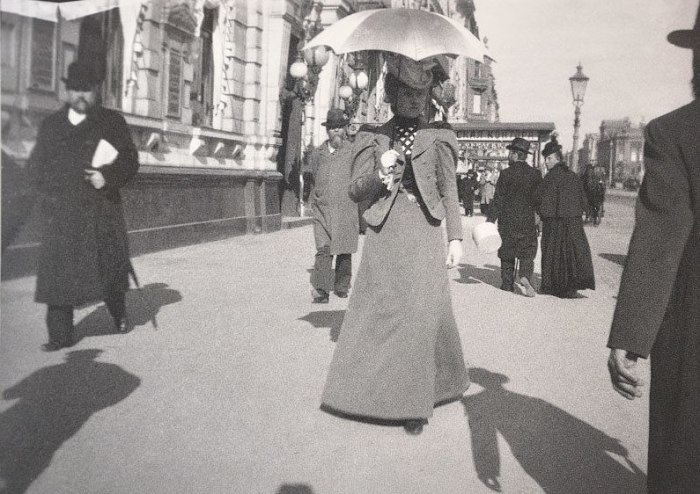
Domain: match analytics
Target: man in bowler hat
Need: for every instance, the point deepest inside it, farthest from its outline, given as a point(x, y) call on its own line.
point(658, 306)
point(336, 218)
point(512, 208)
point(83, 156)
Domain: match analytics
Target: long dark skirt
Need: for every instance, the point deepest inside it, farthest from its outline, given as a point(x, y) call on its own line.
point(566, 257)
point(399, 353)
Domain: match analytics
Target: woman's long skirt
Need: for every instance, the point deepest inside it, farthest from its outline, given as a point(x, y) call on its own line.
point(566, 257)
point(399, 353)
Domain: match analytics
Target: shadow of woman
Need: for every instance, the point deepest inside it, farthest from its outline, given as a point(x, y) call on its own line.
point(560, 452)
point(142, 306)
point(332, 319)
point(54, 403)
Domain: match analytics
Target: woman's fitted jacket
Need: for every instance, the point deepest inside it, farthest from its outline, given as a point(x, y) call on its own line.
point(433, 159)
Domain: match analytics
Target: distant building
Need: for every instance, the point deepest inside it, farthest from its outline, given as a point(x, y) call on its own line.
point(621, 149)
point(588, 154)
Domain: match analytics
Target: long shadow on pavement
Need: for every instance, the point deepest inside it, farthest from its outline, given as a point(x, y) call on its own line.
point(294, 489)
point(489, 274)
point(54, 403)
point(616, 258)
point(142, 307)
point(559, 451)
point(332, 319)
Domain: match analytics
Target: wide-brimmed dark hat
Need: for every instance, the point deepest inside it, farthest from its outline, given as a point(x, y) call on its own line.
point(336, 118)
point(551, 147)
point(519, 144)
point(687, 38)
point(81, 76)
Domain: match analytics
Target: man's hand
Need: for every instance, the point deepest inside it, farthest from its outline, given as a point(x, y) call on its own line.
point(95, 178)
point(454, 253)
point(623, 373)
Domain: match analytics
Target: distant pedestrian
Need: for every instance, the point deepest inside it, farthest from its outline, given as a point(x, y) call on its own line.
point(487, 189)
point(560, 202)
point(596, 199)
point(513, 210)
point(83, 156)
point(399, 353)
point(467, 185)
point(658, 306)
point(336, 220)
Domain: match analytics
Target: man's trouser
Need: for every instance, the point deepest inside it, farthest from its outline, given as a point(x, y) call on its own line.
point(525, 270)
point(59, 318)
point(323, 279)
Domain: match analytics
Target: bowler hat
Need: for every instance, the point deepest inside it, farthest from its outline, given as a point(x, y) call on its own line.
point(519, 144)
point(336, 118)
point(687, 38)
point(81, 76)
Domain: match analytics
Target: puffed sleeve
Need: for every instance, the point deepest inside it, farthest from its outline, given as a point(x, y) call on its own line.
point(446, 148)
point(663, 222)
point(366, 184)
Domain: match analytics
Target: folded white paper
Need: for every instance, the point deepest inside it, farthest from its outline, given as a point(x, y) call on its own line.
point(104, 154)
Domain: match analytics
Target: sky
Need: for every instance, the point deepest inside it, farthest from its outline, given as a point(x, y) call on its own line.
point(634, 72)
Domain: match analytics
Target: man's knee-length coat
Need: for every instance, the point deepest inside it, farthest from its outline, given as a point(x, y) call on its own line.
point(84, 252)
point(658, 306)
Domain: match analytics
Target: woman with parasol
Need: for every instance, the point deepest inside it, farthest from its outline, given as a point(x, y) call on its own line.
point(399, 353)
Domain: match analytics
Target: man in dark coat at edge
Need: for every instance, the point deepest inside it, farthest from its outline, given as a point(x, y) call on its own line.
point(658, 306)
point(336, 219)
point(512, 208)
point(83, 156)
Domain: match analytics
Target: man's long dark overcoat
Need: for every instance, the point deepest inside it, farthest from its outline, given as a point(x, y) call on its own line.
point(512, 207)
point(658, 306)
point(84, 253)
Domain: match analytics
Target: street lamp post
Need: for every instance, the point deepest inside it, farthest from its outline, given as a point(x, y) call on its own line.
point(305, 70)
point(578, 90)
point(357, 82)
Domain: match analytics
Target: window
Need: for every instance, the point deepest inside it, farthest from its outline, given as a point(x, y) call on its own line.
point(174, 86)
point(42, 64)
point(477, 70)
point(202, 90)
point(8, 44)
point(476, 103)
point(112, 35)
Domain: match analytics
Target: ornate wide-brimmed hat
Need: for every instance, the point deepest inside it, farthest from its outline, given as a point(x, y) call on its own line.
point(519, 144)
point(687, 38)
point(336, 118)
point(81, 76)
point(420, 74)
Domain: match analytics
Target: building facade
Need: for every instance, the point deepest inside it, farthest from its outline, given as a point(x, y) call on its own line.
point(206, 90)
point(621, 150)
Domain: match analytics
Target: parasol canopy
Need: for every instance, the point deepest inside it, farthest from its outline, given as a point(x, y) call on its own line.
point(416, 34)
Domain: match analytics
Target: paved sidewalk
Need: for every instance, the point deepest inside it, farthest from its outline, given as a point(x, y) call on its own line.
point(217, 388)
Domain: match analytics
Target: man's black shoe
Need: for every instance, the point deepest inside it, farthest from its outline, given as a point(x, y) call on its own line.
point(341, 294)
point(414, 427)
point(122, 325)
point(52, 346)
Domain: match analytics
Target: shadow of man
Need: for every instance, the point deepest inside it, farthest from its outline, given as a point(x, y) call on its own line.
point(54, 403)
point(143, 305)
point(489, 274)
point(560, 452)
point(332, 319)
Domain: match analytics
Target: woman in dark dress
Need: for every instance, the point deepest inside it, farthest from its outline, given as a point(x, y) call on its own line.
point(560, 202)
point(399, 353)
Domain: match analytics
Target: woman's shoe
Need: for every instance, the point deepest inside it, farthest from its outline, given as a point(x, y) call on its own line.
point(414, 427)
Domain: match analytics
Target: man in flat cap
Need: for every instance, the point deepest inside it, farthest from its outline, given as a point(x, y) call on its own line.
point(512, 208)
point(336, 218)
point(658, 306)
point(83, 156)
